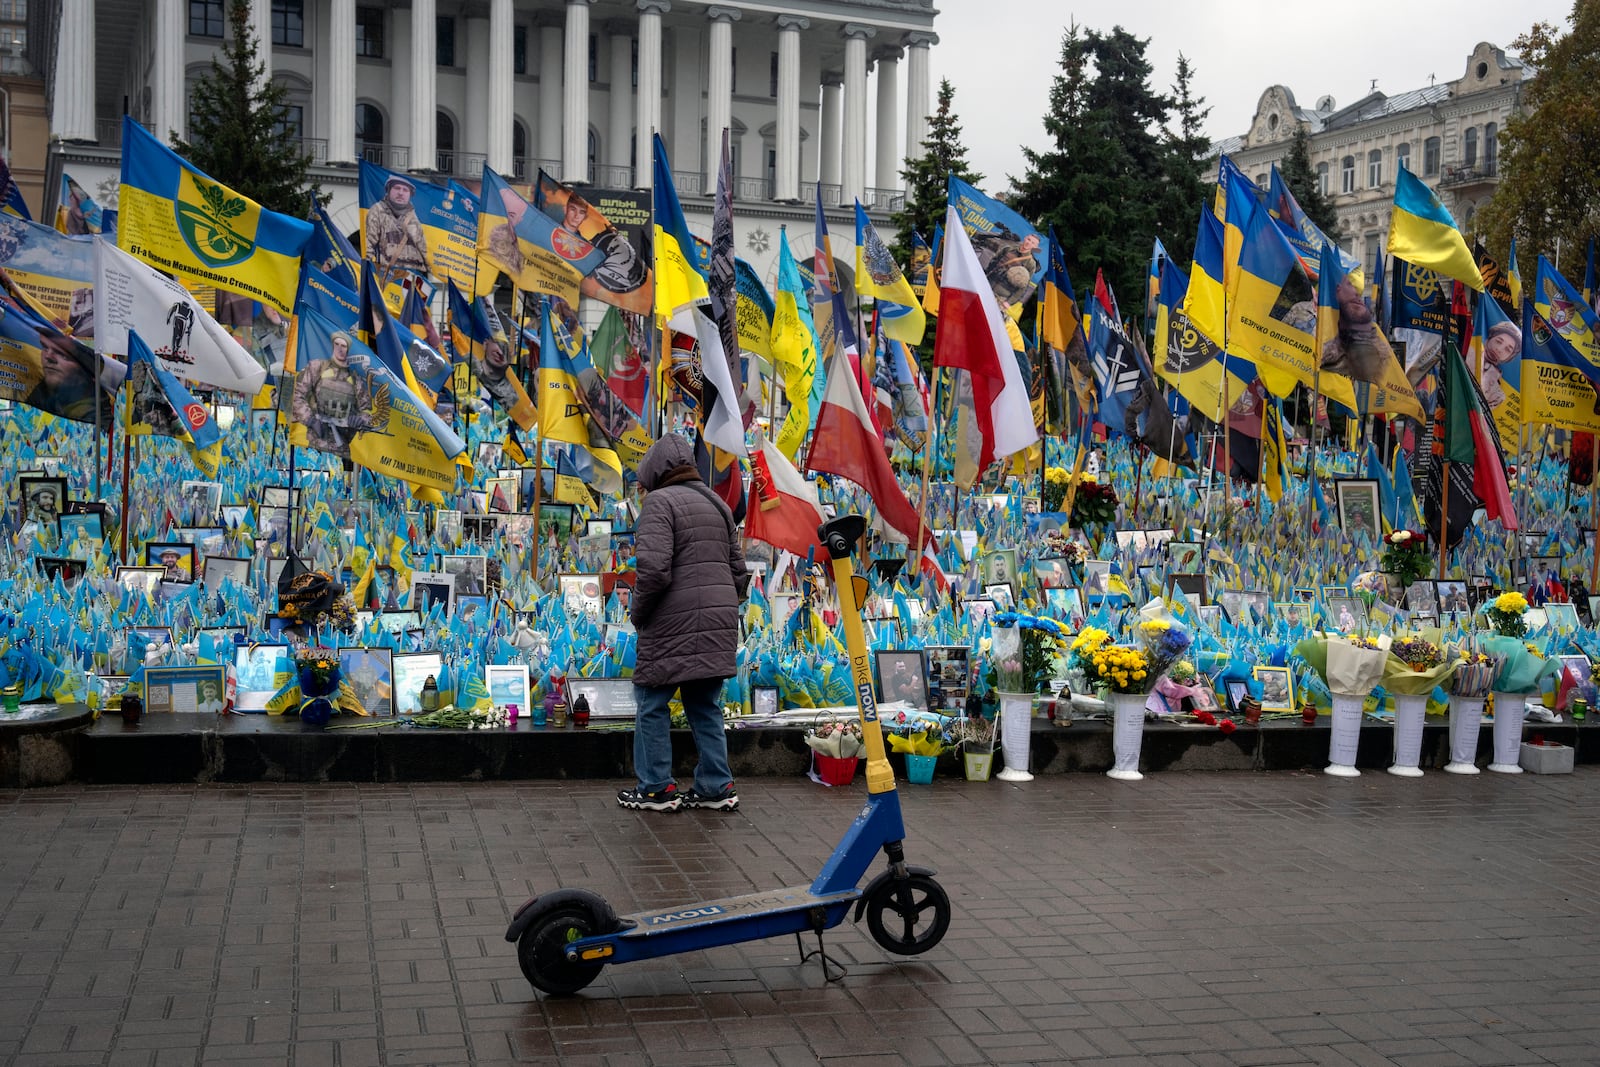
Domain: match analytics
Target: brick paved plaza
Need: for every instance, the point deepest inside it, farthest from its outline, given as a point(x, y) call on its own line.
point(1189, 919)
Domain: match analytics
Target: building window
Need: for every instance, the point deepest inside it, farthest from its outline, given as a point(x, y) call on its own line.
point(369, 126)
point(293, 123)
point(444, 143)
point(369, 32)
point(1469, 147)
point(594, 58)
point(772, 88)
point(1372, 254)
point(733, 70)
point(519, 139)
point(594, 153)
point(635, 63)
point(1491, 147)
point(1347, 175)
point(1374, 168)
point(14, 10)
point(1402, 157)
point(444, 40)
point(289, 23)
point(1430, 158)
point(1322, 178)
point(205, 18)
point(519, 49)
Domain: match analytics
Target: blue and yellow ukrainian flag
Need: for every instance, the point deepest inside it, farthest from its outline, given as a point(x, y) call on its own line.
point(1514, 277)
point(1239, 197)
point(1274, 450)
point(680, 286)
point(1570, 317)
point(794, 349)
point(158, 403)
point(1421, 231)
point(900, 314)
point(176, 218)
point(1205, 298)
point(561, 414)
point(930, 295)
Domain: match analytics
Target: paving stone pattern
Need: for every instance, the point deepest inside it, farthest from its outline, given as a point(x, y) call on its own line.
point(1189, 919)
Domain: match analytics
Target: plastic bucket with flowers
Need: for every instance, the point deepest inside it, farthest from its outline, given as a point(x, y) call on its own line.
point(836, 749)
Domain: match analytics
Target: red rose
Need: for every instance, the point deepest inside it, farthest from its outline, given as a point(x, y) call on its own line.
point(1227, 726)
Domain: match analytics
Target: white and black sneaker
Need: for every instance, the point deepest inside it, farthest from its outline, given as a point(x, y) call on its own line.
point(726, 800)
point(668, 799)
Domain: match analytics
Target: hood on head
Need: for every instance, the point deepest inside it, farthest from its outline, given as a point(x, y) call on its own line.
point(672, 451)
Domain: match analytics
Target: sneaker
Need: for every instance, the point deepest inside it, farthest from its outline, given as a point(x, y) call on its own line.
point(668, 799)
point(726, 800)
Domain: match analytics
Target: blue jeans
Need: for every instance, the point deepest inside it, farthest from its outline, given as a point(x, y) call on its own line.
point(652, 738)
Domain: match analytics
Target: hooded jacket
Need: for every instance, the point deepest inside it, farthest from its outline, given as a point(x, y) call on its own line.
point(691, 574)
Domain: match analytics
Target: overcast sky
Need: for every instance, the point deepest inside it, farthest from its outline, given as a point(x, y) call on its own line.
point(1001, 55)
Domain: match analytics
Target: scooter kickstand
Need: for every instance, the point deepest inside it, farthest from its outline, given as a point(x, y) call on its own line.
point(839, 971)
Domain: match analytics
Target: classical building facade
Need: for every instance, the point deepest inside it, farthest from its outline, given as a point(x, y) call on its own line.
point(1446, 133)
point(575, 87)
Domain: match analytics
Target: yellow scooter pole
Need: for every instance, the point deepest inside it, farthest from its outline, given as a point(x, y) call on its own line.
point(840, 536)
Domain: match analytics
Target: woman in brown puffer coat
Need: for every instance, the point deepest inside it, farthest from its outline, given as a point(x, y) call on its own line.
point(691, 579)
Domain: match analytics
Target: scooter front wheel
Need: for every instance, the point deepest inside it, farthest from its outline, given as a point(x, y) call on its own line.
point(542, 948)
point(909, 915)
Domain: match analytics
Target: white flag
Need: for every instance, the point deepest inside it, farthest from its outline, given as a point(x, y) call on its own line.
point(186, 340)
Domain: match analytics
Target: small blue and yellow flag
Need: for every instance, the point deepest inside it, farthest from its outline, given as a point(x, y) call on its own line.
point(158, 403)
point(794, 349)
point(1514, 277)
point(680, 286)
point(177, 218)
point(900, 314)
point(1421, 231)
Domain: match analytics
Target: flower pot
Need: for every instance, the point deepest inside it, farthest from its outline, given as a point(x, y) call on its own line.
point(977, 764)
point(919, 769)
point(1016, 730)
point(1466, 715)
point(1127, 735)
point(836, 770)
point(1409, 712)
point(1345, 736)
point(1509, 711)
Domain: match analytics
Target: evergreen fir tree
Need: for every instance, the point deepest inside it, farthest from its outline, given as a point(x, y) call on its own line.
point(1188, 159)
point(1302, 182)
point(927, 177)
point(238, 126)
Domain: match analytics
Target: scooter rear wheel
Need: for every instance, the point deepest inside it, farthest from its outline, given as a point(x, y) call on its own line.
point(917, 911)
point(542, 948)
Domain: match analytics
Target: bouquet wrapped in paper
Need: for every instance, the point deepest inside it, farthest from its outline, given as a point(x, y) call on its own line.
point(1476, 671)
point(1349, 666)
point(919, 740)
point(1521, 668)
point(840, 740)
point(1182, 682)
point(1416, 665)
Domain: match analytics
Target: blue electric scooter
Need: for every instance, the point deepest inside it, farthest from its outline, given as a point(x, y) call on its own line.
point(565, 937)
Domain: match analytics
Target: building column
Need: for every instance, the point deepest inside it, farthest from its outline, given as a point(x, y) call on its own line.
point(786, 182)
point(398, 45)
point(647, 117)
point(832, 110)
point(550, 46)
point(424, 94)
point(474, 132)
point(918, 104)
point(719, 87)
point(502, 85)
point(341, 94)
point(575, 99)
point(261, 26)
point(619, 133)
point(72, 115)
point(887, 172)
point(853, 151)
point(166, 74)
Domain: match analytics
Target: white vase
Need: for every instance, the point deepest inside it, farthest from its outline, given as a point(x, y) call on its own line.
point(1409, 712)
point(1127, 735)
point(1509, 711)
point(1345, 736)
point(1466, 716)
point(1016, 731)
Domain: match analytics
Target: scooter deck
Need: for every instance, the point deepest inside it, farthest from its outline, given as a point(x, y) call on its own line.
point(646, 924)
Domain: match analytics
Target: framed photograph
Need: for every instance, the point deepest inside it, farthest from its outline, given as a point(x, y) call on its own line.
point(1277, 688)
point(598, 528)
point(980, 608)
point(1333, 591)
point(370, 672)
point(782, 605)
point(556, 520)
point(489, 455)
point(479, 528)
point(429, 588)
point(1579, 665)
point(176, 560)
point(519, 530)
point(501, 494)
point(70, 571)
point(274, 570)
point(411, 671)
point(1211, 616)
point(223, 637)
point(1000, 567)
point(447, 527)
point(1237, 691)
point(1184, 557)
point(145, 579)
point(1096, 578)
point(764, 700)
point(949, 675)
point(1243, 605)
point(1205, 699)
point(82, 532)
point(1002, 595)
point(1052, 573)
point(1064, 603)
point(262, 419)
point(1358, 506)
point(43, 498)
point(580, 594)
point(279, 496)
point(1594, 607)
point(1293, 612)
point(1422, 599)
point(217, 569)
point(399, 622)
point(1191, 584)
point(201, 500)
point(273, 526)
point(1563, 618)
point(234, 516)
point(903, 675)
point(261, 670)
point(1347, 614)
point(184, 690)
point(1453, 598)
point(471, 574)
point(507, 684)
point(207, 540)
point(1306, 595)
point(609, 698)
point(1532, 569)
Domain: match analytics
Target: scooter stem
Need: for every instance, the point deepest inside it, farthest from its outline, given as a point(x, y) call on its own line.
point(840, 536)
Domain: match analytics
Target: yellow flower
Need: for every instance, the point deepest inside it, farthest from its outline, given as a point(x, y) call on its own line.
point(1515, 603)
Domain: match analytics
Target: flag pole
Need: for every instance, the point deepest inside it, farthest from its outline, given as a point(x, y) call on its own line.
point(927, 462)
point(127, 465)
point(538, 487)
